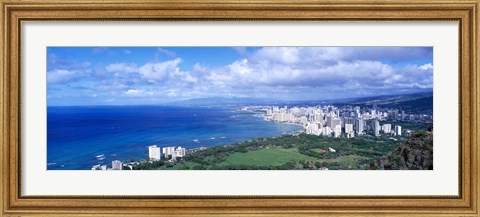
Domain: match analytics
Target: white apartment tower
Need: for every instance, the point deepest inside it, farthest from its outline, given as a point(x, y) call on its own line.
point(376, 128)
point(337, 131)
point(387, 128)
point(349, 130)
point(154, 152)
point(168, 150)
point(359, 126)
point(398, 130)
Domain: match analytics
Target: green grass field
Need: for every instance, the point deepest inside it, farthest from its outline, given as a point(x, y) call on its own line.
point(278, 156)
point(266, 157)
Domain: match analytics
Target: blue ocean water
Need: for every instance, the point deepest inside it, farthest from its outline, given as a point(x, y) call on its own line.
point(80, 137)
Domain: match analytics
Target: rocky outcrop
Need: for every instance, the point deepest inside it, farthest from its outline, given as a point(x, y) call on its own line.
point(415, 154)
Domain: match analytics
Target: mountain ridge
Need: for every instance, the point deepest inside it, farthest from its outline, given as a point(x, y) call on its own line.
point(370, 100)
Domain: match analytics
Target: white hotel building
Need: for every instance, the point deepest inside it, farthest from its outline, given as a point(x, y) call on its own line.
point(398, 130)
point(154, 152)
point(171, 151)
point(167, 151)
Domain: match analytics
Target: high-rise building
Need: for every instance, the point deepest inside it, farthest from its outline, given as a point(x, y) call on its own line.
point(357, 109)
point(312, 128)
point(117, 165)
point(168, 151)
point(319, 116)
point(359, 126)
point(337, 131)
point(348, 128)
point(398, 130)
point(332, 122)
point(336, 122)
point(329, 121)
point(327, 131)
point(180, 151)
point(269, 112)
point(376, 128)
point(395, 114)
point(350, 121)
point(303, 120)
point(387, 128)
point(154, 152)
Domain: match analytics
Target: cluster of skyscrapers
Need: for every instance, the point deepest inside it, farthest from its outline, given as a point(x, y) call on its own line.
point(333, 121)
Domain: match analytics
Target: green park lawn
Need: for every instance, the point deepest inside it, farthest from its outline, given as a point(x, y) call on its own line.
point(266, 157)
point(272, 157)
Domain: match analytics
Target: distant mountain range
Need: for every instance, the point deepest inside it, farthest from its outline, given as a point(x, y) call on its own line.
point(410, 103)
point(401, 101)
point(389, 99)
point(215, 101)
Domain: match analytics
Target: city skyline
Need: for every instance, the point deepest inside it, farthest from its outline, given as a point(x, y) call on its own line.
point(153, 75)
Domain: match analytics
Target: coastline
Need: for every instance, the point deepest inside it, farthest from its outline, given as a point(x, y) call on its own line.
point(264, 117)
point(302, 150)
point(248, 118)
point(136, 144)
point(193, 150)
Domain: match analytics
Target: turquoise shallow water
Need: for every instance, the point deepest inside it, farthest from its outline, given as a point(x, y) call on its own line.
point(79, 137)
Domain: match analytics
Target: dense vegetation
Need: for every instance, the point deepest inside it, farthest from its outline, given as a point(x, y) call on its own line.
point(310, 152)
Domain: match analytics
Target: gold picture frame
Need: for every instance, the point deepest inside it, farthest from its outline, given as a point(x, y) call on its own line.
point(16, 12)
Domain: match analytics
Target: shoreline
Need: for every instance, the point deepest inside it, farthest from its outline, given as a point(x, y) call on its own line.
point(262, 116)
point(195, 149)
point(254, 114)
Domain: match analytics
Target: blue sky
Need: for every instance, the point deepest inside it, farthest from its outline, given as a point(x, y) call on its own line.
point(156, 75)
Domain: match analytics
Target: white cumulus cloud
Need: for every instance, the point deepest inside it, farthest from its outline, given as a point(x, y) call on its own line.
point(121, 67)
point(159, 71)
point(426, 66)
point(63, 76)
